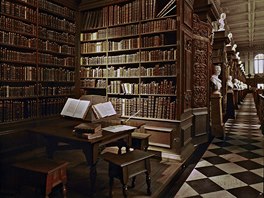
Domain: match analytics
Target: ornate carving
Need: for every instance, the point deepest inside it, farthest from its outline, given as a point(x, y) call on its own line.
point(187, 43)
point(200, 28)
point(200, 74)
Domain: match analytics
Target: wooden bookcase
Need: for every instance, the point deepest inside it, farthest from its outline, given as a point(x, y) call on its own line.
point(142, 63)
point(37, 60)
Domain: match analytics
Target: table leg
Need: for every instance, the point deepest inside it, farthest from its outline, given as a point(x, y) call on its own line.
point(91, 155)
point(51, 146)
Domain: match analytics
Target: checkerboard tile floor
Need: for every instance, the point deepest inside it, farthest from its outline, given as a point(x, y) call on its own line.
point(232, 166)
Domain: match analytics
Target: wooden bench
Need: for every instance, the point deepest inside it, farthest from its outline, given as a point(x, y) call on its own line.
point(41, 173)
point(126, 166)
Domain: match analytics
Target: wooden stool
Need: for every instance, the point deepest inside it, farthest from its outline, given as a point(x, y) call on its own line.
point(140, 140)
point(126, 166)
point(43, 174)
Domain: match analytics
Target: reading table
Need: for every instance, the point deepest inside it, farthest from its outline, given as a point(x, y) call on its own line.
point(60, 130)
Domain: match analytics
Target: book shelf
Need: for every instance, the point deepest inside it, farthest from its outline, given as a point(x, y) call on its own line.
point(130, 55)
point(37, 60)
point(139, 54)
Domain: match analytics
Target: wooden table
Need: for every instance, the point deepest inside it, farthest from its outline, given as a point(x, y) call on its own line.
point(60, 130)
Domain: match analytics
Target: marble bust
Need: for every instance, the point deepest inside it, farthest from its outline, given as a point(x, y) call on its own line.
point(229, 84)
point(217, 83)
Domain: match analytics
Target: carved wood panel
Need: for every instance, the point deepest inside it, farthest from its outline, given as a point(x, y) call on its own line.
point(201, 63)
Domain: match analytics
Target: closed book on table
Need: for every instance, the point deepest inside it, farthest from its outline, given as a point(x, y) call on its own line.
point(88, 128)
point(87, 135)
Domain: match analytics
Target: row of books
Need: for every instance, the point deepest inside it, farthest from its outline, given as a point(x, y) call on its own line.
point(103, 46)
point(55, 47)
point(159, 25)
point(150, 107)
point(50, 106)
point(13, 110)
point(159, 70)
point(126, 71)
point(149, 55)
point(14, 25)
point(90, 36)
point(158, 55)
point(65, 37)
point(95, 18)
point(120, 31)
point(151, 41)
point(94, 47)
point(123, 72)
point(53, 60)
point(55, 74)
point(92, 83)
point(123, 13)
point(34, 91)
point(22, 91)
point(18, 10)
point(163, 87)
point(12, 55)
point(18, 73)
point(57, 9)
point(17, 40)
point(54, 91)
point(57, 23)
point(86, 72)
point(128, 13)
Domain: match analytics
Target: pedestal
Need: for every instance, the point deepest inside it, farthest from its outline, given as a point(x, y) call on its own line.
point(217, 125)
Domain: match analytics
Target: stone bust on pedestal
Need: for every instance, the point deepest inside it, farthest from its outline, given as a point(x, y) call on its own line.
point(217, 83)
point(229, 84)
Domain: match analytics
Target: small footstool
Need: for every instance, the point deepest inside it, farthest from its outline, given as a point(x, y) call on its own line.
point(126, 166)
point(42, 173)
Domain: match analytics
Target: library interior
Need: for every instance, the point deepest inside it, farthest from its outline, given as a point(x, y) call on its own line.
point(131, 98)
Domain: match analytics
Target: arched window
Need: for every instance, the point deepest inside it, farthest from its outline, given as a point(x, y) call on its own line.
point(259, 63)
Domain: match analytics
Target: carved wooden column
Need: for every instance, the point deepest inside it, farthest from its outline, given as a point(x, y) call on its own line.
point(200, 76)
point(205, 13)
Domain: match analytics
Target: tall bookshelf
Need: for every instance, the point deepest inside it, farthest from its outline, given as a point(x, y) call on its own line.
point(135, 55)
point(131, 58)
point(37, 60)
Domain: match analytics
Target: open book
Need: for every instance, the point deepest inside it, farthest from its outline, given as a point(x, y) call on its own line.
point(75, 108)
point(102, 110)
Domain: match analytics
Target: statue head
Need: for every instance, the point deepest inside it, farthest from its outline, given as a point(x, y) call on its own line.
point(217, 70)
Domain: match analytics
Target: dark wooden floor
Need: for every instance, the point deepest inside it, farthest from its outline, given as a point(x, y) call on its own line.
point(162, 172)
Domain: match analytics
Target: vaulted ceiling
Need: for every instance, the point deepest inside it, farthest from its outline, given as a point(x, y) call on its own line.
point(245, 19)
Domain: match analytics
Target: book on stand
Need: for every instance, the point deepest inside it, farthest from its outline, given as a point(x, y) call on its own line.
point(75, 108)
point(102, 110)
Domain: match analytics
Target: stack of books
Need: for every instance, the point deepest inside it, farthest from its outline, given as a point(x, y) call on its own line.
point(88, 130)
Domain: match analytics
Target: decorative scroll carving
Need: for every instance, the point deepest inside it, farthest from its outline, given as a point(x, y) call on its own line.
point(200, 74)
point(200, 28)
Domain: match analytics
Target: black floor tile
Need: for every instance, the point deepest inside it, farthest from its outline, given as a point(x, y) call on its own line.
point(249, 165)
point(220, 151)
point(211, 171)
point(204, 186)
point(216, 160)
point(249, 155)
point(249, 177)
point(223, 144)
point(245, 192)
point(249, 146)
